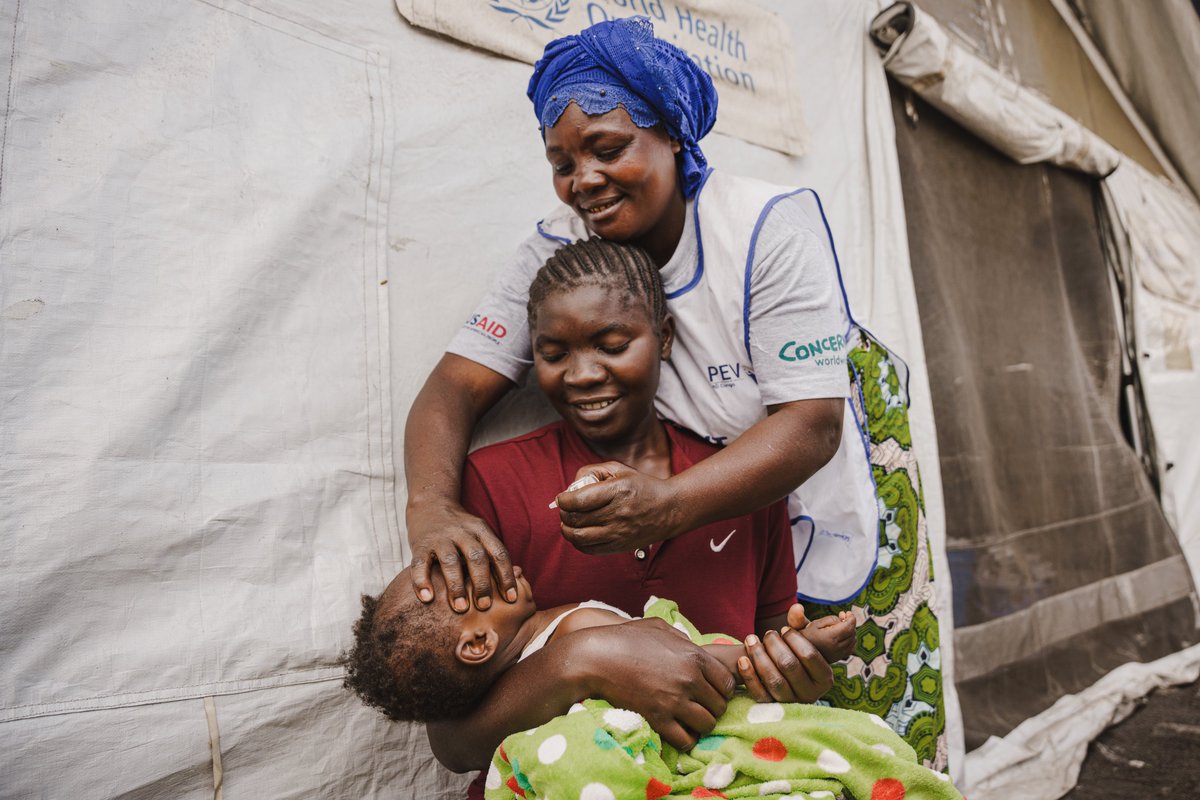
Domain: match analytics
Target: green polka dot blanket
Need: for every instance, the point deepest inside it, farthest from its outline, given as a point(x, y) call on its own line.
point(762, 750)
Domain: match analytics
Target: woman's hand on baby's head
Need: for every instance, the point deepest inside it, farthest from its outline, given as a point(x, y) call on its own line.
point(466, 549)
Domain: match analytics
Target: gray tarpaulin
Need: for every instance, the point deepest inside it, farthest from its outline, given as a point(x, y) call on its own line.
point(1043, 540)
point(1062, 563)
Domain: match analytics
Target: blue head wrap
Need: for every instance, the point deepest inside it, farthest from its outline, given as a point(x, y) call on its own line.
point(620, 62)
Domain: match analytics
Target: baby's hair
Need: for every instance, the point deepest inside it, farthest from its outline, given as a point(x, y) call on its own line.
point(405, 666)
point(599, 262)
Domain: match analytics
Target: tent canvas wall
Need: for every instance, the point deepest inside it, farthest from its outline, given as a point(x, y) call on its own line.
point(234, 238)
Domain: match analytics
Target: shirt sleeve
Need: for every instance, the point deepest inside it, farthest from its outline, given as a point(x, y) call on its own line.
point(497, 334)
point(797, 316)
point(777, 585)
point(477, 499)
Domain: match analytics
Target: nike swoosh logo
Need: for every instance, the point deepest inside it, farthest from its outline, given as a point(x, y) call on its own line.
point(716, 548)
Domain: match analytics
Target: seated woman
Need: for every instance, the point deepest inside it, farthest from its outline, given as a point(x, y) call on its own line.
point(601, 332)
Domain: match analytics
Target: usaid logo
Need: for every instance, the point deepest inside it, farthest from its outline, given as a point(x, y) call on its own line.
point(823, 352)
point(491, 328)
point(542, 13)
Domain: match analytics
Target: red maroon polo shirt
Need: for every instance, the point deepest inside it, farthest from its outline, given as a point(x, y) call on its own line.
point(723, 575)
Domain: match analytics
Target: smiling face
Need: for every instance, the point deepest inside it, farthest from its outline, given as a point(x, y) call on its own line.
point(597, 355)
point(620, 179)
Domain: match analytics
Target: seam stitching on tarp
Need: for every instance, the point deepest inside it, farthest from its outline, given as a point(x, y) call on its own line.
point(985, 541)
point(223, 5)
point(169, 695)
point(1137, 592)
point(369, 291)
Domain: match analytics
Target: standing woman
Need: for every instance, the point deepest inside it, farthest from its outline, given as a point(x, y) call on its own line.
point(761, 364)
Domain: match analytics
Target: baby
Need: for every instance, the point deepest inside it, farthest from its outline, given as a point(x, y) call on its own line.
point(422, 661)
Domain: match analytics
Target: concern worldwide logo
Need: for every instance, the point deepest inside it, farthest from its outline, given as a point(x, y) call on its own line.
point(822, 352)
point(546, 14)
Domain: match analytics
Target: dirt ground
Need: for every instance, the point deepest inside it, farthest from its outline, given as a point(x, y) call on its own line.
point(1155, 752)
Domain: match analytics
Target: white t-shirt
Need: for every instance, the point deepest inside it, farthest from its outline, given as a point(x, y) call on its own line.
point(796, 319)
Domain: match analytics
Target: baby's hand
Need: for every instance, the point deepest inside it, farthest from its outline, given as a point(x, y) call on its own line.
point(833, 636)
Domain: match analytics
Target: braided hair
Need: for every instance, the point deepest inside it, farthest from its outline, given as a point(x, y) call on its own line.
point(600, 262)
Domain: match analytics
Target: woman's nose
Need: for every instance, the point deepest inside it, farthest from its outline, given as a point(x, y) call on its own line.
point(584, 371)
point(589, 177)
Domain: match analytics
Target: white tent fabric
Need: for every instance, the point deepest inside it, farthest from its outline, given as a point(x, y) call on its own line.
point(1161, 226)
point(196, 433)
point(235, 237)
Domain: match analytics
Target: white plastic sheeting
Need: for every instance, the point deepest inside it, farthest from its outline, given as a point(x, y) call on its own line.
point(997, 109)
point(1041, 758)
point(1160, 226)
point(199, 204)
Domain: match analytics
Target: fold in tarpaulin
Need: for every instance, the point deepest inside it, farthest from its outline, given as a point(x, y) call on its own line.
point(921, 55)
point(1162, 222)
point(1042, 757)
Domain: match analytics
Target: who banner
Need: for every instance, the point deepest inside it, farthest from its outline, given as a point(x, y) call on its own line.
point(746, 50)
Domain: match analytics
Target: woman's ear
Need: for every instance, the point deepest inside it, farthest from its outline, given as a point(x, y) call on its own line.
point(666, 334)
point(476, 644)
point(676, 147)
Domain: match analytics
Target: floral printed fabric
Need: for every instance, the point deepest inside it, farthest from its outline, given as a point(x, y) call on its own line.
point(895, 672)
